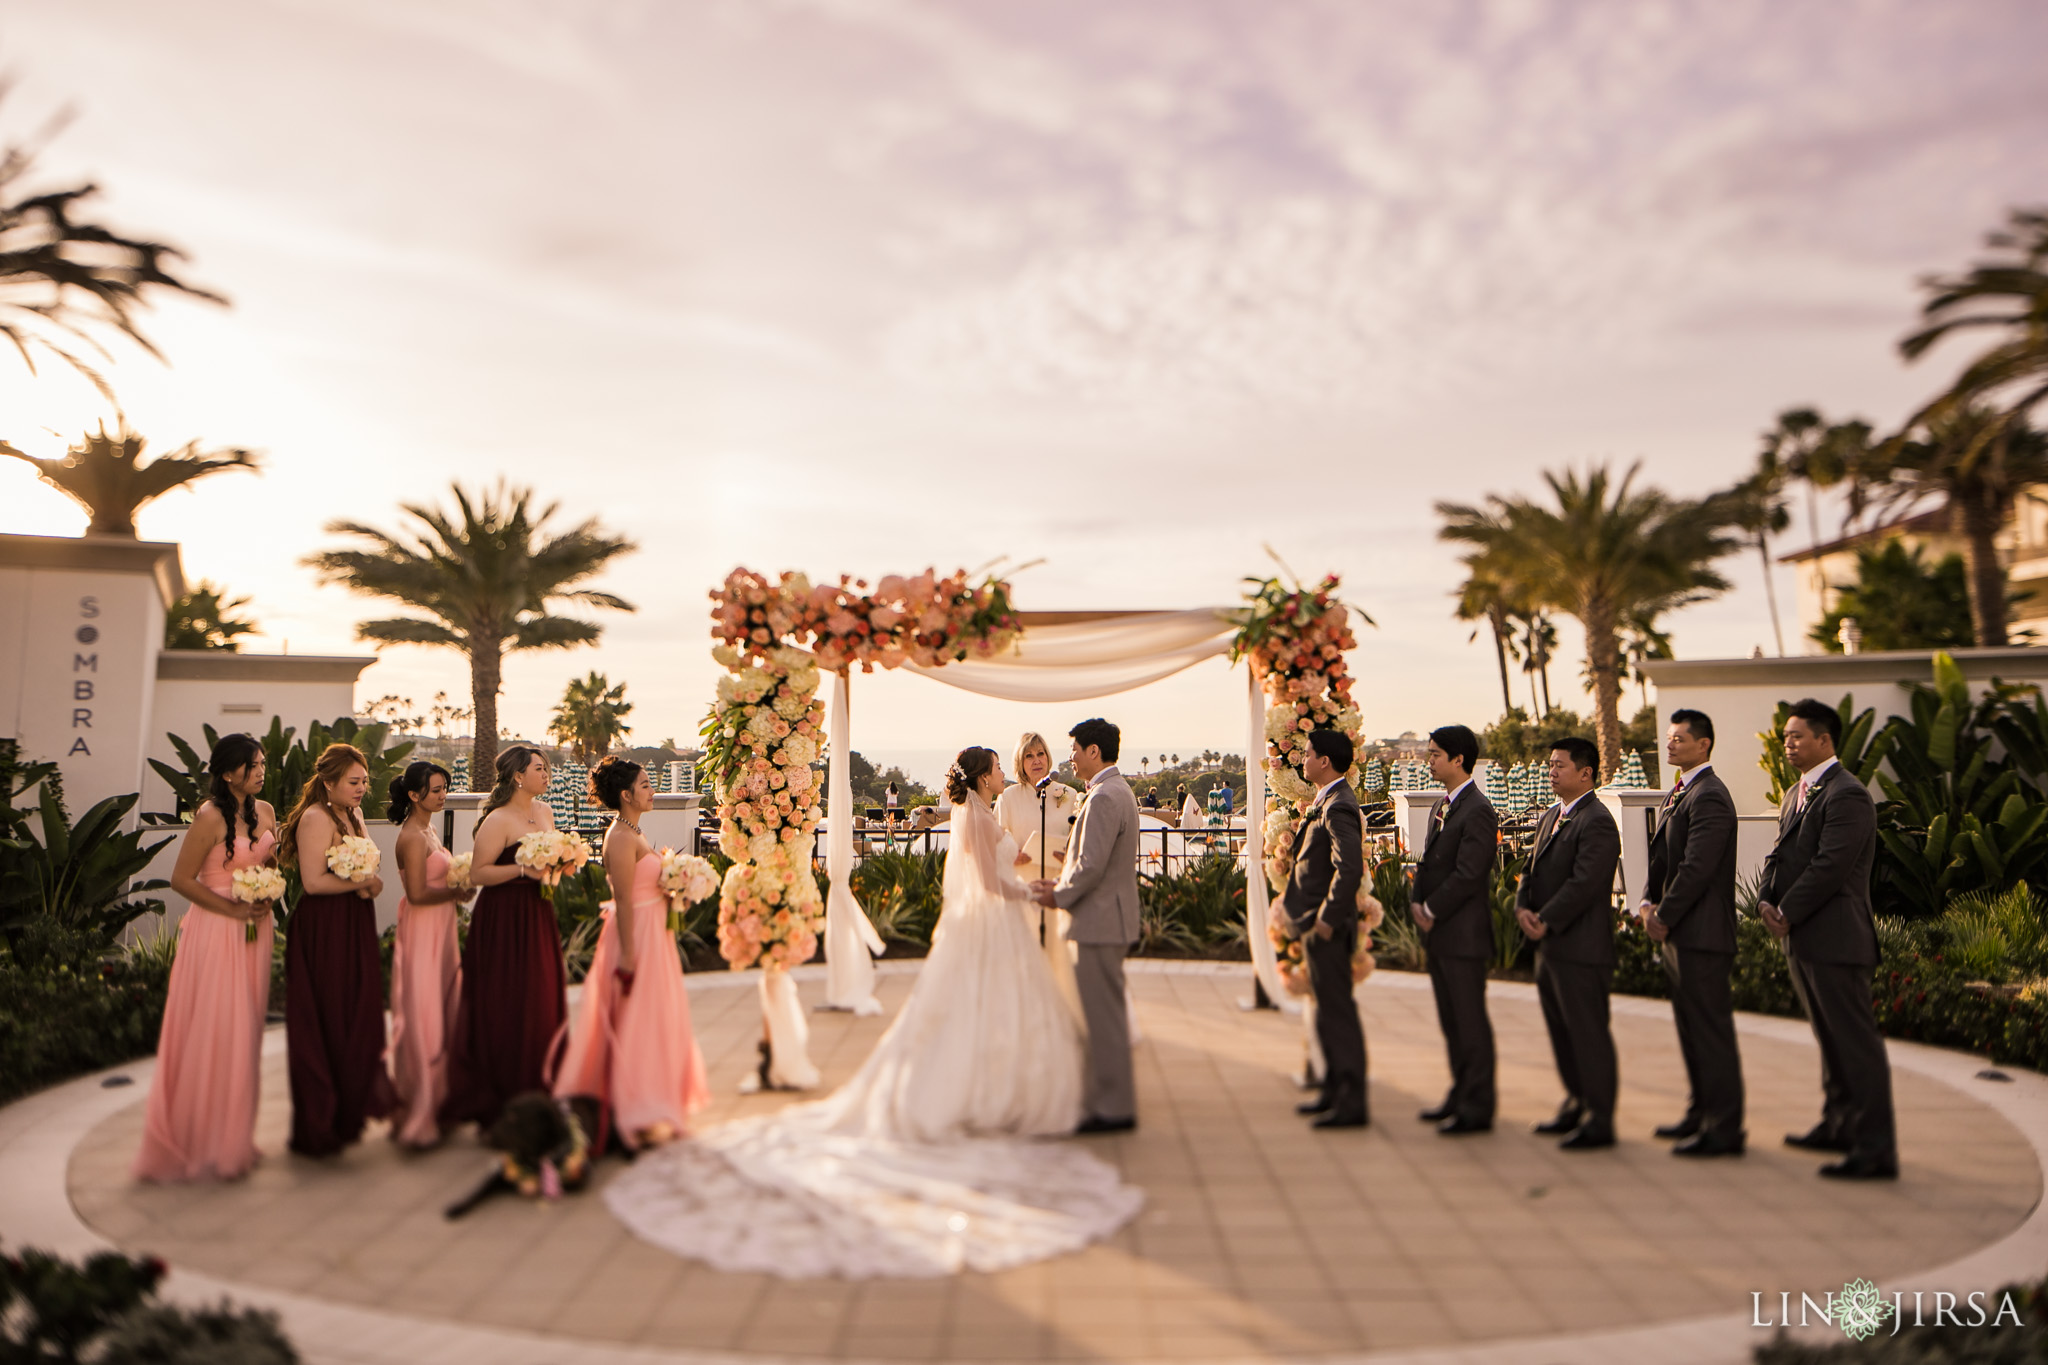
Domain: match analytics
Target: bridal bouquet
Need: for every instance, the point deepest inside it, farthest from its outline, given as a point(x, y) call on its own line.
point(354, 859)
point(252, 885)
point(458, 871)
point(554, 854)
point(687, 879)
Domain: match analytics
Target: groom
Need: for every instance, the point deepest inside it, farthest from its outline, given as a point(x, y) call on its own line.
point(1099, 888)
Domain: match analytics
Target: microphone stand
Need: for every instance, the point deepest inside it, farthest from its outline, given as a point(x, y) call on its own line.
point(1043, 783)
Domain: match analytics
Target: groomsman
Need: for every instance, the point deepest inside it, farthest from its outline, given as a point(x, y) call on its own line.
point(1453, 906)
point(1688, 907)
point(1816, 893)
point(1566, 904)
point(1321, 909)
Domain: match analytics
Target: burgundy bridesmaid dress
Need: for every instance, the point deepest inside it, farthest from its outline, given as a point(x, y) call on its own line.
point(334, 1022)
point(513, 1001)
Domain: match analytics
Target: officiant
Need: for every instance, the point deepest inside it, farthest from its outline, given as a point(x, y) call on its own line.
point(1038, 812)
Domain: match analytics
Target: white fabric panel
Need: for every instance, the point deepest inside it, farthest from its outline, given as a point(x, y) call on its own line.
point(1093, 658)
point(789, 1033)
point(850, 939)
point(1257, 903)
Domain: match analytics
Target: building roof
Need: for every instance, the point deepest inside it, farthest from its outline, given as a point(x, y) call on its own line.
point(1920, 523)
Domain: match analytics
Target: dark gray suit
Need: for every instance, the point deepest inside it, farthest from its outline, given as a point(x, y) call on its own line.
point(1692, 884)
point(1819, 876)
point(1570, 886)
point(1455, 880)
point(1329, 865)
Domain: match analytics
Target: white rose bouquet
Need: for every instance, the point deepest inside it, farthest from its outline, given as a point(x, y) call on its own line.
point(458, 871)
point(554, 854)
point(354, 859)
point(687, 879)
point(253, 885)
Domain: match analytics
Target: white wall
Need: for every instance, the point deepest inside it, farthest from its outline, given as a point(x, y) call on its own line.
point(244, 692)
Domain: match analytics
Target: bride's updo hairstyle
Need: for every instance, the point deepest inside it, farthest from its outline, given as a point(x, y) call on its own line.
point(968, 769)
point(610, 779)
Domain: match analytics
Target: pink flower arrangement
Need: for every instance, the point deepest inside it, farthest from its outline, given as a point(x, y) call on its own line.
point(925, 619)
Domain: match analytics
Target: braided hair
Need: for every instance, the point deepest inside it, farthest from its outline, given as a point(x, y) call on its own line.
point(232, 754)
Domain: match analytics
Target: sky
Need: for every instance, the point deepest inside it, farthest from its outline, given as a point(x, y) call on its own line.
point(1133, 290)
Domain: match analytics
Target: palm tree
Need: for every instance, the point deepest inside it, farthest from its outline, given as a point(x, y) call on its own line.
point(591, 717)
point(2009, 296)
point(106, 476)
point(1484, 597)
point(1978, 460)
point(200, 620)
point(1535, 646)
point(1603, 554)
point(1756, 508)
point(62, 276)
point(484, 578)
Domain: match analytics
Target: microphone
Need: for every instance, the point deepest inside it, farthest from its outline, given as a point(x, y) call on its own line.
point(1042, 784)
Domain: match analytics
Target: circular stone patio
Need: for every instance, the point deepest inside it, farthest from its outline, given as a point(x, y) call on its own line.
point(1259, 1239)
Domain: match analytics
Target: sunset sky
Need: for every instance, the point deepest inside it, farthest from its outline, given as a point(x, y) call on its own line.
point(1132, 287)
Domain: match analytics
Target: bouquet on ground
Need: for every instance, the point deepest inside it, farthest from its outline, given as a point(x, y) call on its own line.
point(687, 879)
point(554, 854)
point(354, 859)
point(253, 886)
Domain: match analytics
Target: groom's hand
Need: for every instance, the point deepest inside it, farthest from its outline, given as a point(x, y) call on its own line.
point(1323, 931)
point(1042, 892)
point(1420, 914)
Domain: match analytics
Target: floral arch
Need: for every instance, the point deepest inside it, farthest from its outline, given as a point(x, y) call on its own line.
point(768, 727)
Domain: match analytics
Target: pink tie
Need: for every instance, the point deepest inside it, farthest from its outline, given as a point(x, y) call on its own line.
point(1799, 800)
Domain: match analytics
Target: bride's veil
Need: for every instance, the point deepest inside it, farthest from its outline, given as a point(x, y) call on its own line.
point(974, 869)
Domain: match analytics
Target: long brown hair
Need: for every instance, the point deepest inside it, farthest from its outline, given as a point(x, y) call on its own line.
point(511, 763)
point(333, 764)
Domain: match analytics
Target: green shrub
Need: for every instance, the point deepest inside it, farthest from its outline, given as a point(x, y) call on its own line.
point(1198, 909)
point(902, 894)
point(103, 1310)
point(68, 1005)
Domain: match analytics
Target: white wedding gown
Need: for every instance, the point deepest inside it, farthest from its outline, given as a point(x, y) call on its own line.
point(924, 1163)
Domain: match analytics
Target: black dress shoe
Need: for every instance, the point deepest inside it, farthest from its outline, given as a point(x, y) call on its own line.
point(1590, 1137)
point(1568, 1120)
point(1341, 1118)
point(1684, 1128)
point(1862, 1168)
point(1321, 1104)
point(1457, 1125)
point(1094, 1125)
point(1818, 1140)
point(1709, 1144)
point(1438, 1114)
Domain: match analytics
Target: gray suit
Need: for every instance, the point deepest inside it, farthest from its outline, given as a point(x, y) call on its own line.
point(1819, 876)
point(1692, 884)
point(1329, 864)
point(1099, 888)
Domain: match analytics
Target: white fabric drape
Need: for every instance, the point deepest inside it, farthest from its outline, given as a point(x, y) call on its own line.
point(1088, 659)
point(1257, 906)
point(851, 943)
point(789, 1034)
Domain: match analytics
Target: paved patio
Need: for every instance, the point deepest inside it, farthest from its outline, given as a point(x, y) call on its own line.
point(1260, 1238)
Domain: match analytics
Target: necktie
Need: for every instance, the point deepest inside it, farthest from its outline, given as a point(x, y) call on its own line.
point(1677, 790)
point(1799, 799)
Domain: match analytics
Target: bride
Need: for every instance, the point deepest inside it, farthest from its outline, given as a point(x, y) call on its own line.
point(922, 1163)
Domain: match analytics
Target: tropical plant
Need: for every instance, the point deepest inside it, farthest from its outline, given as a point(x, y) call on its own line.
point(1756, 508)
point(901, 893)
point(1900, 601)
point(484, 579)
point(106, 476)
point(78, 875)
point(1197, 909)
point(2007, 296)
point(287, 763)
point(1510, 944)
point(104, 1309)
point(1603, 553)
point(69, 279)
point(1484, 598)
point(200, 620)
point(591, 717)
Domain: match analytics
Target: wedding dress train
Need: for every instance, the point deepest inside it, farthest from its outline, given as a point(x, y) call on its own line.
point(924, 1163)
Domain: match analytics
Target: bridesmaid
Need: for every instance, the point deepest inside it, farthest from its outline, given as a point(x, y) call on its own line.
point(630, 1045)
point(201, 1122)
point(333, 978)
point(426, 968)
point(512, 981)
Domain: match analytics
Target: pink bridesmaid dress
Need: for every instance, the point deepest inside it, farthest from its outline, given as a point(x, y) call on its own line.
point(633, 1051)
point(426, 989)
point(201, 1123)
